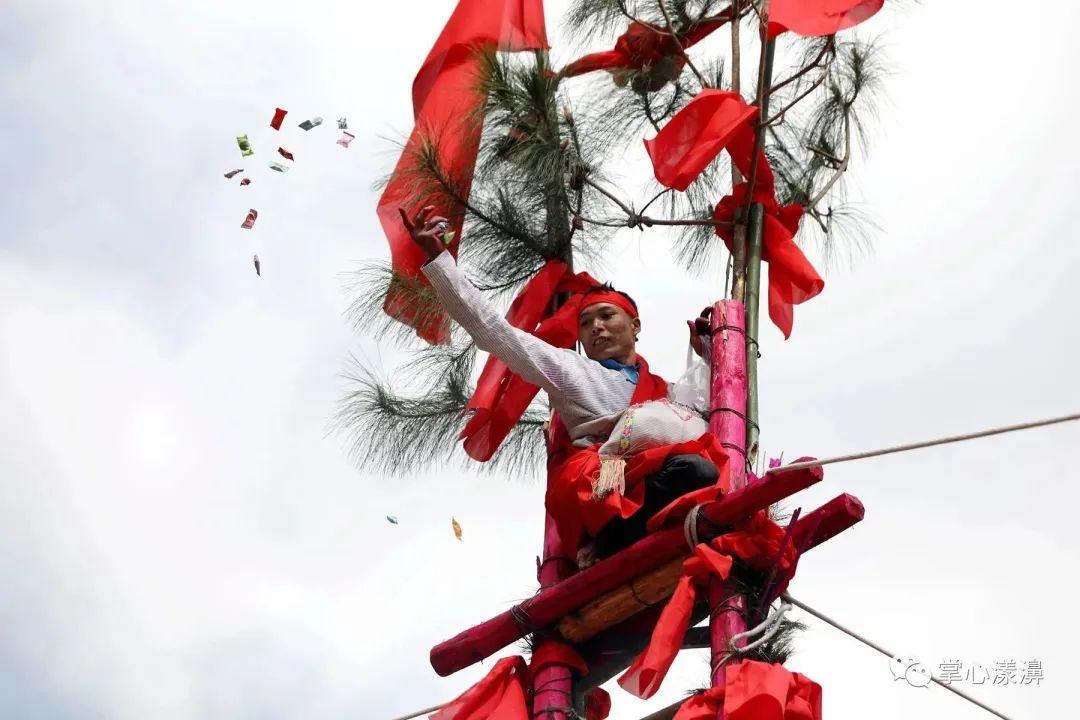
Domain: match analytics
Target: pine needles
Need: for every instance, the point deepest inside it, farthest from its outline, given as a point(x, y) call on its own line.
point(539, 191)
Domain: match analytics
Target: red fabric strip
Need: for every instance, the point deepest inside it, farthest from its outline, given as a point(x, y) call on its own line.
point(445, 98)
point(792, 279)
point(610, 297)
point(819, 17)
point(500, 695)
point(501, 397)
point(692, 139)
point(756, 542)
point(647, 672)
point(645, 45)
point(757, 691)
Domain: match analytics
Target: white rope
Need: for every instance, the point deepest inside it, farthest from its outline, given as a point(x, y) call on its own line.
point(418, 713)
point(770, 626)
point(924, 444)
point(690, 527)
point(824, 618)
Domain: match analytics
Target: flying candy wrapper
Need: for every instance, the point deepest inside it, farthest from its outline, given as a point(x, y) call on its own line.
point(285, 153)
point(279, 115)
point(457, 528)
point(345, 139)
point(258, 266)
point(447, 233)
point(245, 146)
point(232, 173)
point(391, 519)
point(342, 124)
point(245, 181)
point(249, 221)
point(313, 122)
point(279, 167)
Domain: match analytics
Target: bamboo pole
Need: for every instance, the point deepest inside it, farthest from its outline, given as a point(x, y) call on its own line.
point(755, 231)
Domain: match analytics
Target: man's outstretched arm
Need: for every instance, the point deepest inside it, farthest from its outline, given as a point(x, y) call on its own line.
point(533, 359)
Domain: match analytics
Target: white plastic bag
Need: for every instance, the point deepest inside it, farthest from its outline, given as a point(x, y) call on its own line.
point(651, 424)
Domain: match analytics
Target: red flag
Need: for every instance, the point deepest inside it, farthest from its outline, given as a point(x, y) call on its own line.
point(696, 135)
point(279, 115)
point(445, 99)
point(819, 17)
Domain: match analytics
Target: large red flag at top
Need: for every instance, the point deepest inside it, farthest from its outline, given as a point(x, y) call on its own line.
point(445, 101)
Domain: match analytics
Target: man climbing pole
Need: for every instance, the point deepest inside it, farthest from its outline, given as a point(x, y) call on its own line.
point(590, 394)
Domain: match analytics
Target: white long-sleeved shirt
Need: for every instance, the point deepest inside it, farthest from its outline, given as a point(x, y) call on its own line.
point(588, 396)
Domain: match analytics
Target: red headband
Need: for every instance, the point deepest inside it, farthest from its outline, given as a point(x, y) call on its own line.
point(609, 296)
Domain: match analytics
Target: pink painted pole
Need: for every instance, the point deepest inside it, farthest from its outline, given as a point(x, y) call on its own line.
point(728, 423)
point(553, 686)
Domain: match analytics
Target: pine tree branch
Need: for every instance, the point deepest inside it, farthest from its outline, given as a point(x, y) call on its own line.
point(779, 115)
point(635, 219)
point(840, 170)
point(829, 45)
point(678, 43)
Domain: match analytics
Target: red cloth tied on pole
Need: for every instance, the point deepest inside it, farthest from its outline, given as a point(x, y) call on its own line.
point(643, 46)
point(717, 120)
point(757, 691)
point(445, 98)
point(501, 397)
point(647, 672)
point(692, 139)
point(500, 695)
point(792, 279)
point(756, 542)
point(819, 17)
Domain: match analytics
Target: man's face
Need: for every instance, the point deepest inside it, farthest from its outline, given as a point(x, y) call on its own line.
point(607, 332)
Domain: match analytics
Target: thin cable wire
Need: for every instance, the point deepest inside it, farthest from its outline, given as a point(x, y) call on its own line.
point(418, 713)
point(859, 456)
point(824, 618)
point(924, 444)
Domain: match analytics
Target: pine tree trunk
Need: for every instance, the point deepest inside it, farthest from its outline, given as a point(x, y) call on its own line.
point(556, 681)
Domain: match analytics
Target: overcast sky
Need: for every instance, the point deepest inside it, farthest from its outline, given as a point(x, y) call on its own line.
point(180, 537)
